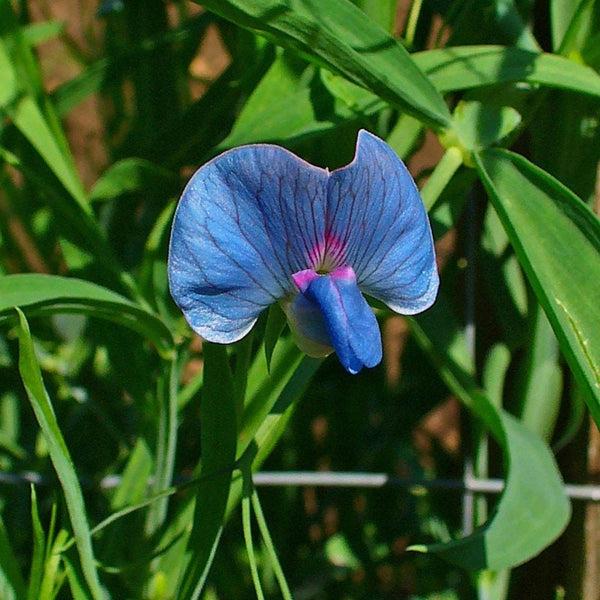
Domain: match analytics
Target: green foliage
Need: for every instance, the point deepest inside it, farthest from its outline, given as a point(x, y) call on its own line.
point(143, 440)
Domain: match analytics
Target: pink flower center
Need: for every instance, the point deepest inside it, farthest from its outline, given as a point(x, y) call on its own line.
point(328, 254)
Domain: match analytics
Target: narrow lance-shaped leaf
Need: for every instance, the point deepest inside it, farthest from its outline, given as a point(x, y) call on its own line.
point(338, 35)
point(59, 454)
point(21, 85)
point(270, 401)
point(557, 240)
point(467, 67)
point(218, 442)
point(38, 294)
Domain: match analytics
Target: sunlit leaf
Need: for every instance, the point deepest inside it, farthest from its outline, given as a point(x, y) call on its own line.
point(21, 87)
point(557, 241)
point(132, 175)
point(338, 35)
point(465, 67)
point(285, 105)
point(59, 454)
point(38, 294)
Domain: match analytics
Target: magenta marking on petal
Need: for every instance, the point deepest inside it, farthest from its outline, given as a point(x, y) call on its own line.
point(335, 250)
point(315, 256)
point(302, 279)
point(327, 254)
point(344, 272)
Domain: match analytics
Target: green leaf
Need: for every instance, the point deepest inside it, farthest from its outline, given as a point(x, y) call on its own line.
point(59, 455)
point(276, 321)
point(36, 571)
point(37, 33)
point(263, 424)
point(53, 572)
point(21, 87)
point(557, 241)
point(562, 13)
point(284, 106)
point(383, 12)
point(50, 294)
point(533, 509)
point(132, 175)
point(338, 35)
point(358, 99)
point(166, 443)
point(505, 281)
point(575, 32)
point(264, 390)
point(477, 125)
point(338, 552)
point(466, 67)
point(218, 444)
point(572, 119)
point(11, 579)
point(539, 388)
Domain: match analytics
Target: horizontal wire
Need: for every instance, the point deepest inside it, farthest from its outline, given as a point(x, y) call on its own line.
point(586, 492)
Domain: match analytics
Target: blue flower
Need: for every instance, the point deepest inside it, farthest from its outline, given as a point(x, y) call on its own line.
point(258, 225)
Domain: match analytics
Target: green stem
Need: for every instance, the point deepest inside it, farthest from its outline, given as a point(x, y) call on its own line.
point(243, 358)
point(247, 525)
point(411, 26)
point(264, 531)
point(441, 176)
point(166, 444)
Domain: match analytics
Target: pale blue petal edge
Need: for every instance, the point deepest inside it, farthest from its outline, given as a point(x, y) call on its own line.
point(246, 221)
point(375, 209)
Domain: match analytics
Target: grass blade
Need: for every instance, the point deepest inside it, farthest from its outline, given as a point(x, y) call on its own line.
point(557, 241)
point(218, 443)
point(50, 294)
point(338, 35)
point(59, 454)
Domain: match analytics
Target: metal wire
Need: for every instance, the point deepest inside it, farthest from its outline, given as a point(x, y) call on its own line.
point(588, 492)
point(585, 492)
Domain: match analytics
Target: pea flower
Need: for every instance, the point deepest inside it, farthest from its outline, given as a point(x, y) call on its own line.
point(258, 225)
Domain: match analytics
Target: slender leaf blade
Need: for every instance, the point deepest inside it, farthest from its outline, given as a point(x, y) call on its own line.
point(466, 67)
point(132, 175)
point(36, 572)
point(33, 117)
point(50, 294)
point(59, 454)
point(282, 106)
point(218, 443)
point(338, 35)
point(557, 241)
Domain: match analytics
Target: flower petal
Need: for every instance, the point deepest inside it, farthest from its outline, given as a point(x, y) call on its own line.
point(308, 326)
point(246, 222)
point(343, 320)
point(376, 213)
